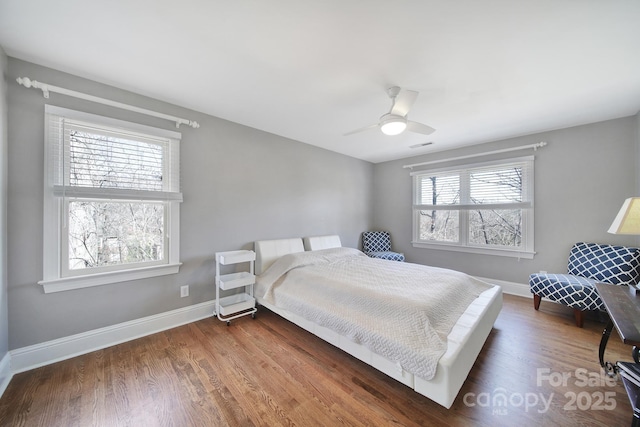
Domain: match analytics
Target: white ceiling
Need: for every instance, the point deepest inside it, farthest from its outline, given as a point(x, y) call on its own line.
point(313, 70)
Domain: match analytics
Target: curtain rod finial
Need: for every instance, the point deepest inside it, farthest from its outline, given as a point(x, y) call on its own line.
point(191, 123)
point(24, 81)
point(28, 83)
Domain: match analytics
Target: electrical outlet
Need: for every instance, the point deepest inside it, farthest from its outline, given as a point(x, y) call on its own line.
point(184, 291)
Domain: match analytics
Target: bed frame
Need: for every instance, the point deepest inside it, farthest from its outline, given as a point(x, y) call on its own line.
point(464, 342)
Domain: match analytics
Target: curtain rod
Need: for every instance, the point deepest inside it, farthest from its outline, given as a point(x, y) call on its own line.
point(504, 150)
point(46, 88)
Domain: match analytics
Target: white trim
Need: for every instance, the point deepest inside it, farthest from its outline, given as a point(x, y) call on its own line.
point(471, 206)
point(485, 164)
point(115, 193)
point(526, 249)
point(511, 288)
point(56, 276)
point(5, 372)
point(46, 88)
point(469, 156)
point(34, 356)
point(513, 253)
point(111, 122)
point(86, 281)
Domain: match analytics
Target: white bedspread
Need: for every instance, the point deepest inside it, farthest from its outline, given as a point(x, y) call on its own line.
point(401, 311)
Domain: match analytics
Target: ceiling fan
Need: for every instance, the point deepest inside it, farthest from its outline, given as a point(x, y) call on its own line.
point(395, 121)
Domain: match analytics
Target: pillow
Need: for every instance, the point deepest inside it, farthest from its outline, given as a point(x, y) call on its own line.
point(317, 243)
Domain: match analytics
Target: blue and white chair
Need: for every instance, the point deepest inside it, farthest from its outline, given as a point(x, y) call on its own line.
point(589, 263)
point(377, 244)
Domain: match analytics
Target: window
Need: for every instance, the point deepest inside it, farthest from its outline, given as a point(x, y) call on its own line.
point(111, 200)
point(484, 208)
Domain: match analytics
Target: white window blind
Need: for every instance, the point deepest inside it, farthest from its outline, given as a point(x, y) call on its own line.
point(439, 189)
point(504, 185)
point(112, 163)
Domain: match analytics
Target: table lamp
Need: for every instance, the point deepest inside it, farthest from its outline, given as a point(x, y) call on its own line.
point(628, 220)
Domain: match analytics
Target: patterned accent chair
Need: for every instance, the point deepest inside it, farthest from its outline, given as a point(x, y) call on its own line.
point(588, 263)
point(377, 244)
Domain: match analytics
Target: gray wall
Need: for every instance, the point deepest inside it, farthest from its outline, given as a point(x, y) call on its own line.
point(4, 310)
point(239, 185)
point(637, 153)
point(581, 179)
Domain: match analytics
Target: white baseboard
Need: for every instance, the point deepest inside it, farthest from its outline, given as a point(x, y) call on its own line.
point(34, 356)
point(5, 372)
point(511, 288)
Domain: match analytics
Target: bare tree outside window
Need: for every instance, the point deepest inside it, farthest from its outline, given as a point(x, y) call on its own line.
point(111, 232)
point(492, 189)
point(436, 224)
point(108, 233)
point(499, 227)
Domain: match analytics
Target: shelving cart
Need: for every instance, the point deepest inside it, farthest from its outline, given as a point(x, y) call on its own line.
point(240, 304)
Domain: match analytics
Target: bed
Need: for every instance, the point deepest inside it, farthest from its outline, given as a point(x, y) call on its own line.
point(289, 260)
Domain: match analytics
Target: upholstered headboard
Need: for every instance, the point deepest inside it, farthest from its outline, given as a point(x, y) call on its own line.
point(317, 243)
point(267, 251)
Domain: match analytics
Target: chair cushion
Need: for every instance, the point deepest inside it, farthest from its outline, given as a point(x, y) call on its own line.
point(574, 291)
point(393, 256)
point(376, 241)
point(618, 265)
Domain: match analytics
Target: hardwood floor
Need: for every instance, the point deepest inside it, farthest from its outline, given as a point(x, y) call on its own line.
point(268, 372)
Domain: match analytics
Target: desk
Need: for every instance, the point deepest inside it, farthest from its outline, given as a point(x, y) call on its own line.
point(623, 305)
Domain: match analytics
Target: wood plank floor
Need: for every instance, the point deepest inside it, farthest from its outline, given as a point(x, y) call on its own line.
point(268, 372)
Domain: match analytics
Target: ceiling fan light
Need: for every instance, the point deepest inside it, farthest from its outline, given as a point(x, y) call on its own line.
point(393, 125)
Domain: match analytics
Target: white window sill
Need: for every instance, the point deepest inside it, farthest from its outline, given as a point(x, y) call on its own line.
point(521, 254)
point(78, 282)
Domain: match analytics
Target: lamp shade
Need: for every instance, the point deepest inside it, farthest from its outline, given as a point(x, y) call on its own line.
point(628, 219)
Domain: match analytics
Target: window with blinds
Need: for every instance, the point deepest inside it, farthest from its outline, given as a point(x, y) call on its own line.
point(114, 190)
point(486, 205)
point(101, 159)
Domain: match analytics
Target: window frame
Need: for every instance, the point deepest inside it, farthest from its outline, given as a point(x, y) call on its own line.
point(56, 277)
point(526, 250)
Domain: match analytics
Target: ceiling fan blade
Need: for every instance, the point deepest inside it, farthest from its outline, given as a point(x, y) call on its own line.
point(403, 102)
point(360, 130)
point(419, 128)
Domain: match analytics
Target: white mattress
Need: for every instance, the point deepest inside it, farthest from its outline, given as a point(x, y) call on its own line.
point(464, 342)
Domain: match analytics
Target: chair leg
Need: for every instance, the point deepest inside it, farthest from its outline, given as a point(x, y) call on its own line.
point(579, 315)
point(536, 301)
